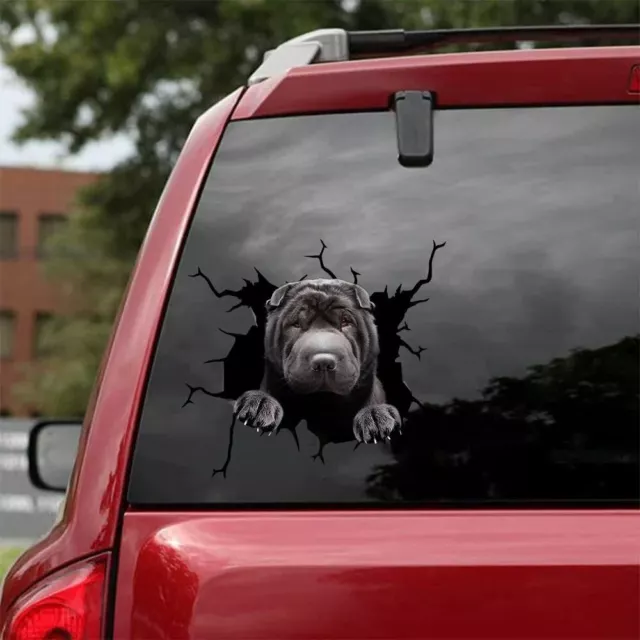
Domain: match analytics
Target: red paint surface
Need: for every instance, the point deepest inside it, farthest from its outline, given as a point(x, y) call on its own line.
point(379, 575)
point(97, 487)
point(544, 76)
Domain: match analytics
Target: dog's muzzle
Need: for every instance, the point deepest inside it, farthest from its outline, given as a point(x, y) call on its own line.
point(322, 361)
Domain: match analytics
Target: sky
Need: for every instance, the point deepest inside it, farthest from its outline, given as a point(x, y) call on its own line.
point(16, 97)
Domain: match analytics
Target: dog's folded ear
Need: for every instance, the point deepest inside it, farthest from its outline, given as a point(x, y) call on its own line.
point(361, 295)
point(278, 295)
point(363, 298)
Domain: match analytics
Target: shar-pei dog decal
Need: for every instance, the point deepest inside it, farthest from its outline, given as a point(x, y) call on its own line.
point(324, 352)
point(321, 354)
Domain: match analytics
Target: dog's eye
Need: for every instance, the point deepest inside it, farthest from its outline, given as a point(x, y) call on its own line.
point(295, 324)
point(346, 321)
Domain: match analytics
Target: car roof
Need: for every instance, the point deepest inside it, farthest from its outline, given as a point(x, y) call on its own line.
point(330, 70)
point(338, 45)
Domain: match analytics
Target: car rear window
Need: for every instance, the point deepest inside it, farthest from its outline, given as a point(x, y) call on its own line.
point(504, 287)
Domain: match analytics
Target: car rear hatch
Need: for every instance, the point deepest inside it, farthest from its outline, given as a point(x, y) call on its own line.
point(507, 506)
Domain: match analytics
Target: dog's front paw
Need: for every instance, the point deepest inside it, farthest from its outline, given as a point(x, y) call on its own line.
point(376, 423)
point(259, 410)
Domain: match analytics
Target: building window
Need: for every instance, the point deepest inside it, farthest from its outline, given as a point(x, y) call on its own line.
point(42, 339)
point(8, 235)
point(49, 225)
point(7, 333)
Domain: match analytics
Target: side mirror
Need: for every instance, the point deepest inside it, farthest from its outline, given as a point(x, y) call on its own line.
point(52, 453)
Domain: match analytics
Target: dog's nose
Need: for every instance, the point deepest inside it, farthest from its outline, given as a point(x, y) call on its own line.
point(323, 362)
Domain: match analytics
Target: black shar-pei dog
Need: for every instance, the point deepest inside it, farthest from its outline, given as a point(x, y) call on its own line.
point(321, 350)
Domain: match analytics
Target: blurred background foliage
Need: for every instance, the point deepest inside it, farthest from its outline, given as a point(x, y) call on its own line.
point(148, 69)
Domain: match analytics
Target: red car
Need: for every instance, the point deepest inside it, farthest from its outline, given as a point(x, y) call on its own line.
point(287, 440)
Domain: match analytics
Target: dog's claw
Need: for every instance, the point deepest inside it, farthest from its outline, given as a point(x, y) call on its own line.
point(259, 411)
point(376, 423)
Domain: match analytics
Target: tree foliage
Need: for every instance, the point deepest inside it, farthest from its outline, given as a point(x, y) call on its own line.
point(148, 69)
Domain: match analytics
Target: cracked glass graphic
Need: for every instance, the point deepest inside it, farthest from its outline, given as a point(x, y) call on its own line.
point(333, 417)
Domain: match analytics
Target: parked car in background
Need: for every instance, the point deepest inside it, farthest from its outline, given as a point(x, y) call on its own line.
point(287, 440)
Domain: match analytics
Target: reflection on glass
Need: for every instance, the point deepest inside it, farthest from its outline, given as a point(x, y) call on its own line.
point(566, 424)
point(56, 450)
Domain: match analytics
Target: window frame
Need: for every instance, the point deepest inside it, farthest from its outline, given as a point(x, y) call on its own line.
point(12, 317)
point(57, 220)
point(14, 217)
point(40, 321)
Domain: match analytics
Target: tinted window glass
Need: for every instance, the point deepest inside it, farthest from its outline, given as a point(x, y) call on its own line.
point(520, 370)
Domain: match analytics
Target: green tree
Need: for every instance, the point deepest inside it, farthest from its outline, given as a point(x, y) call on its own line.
point(148, 69)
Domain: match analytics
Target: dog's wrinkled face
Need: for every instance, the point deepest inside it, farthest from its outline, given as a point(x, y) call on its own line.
point(321, 335)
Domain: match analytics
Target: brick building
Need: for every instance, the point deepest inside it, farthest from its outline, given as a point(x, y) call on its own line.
point(33, 203)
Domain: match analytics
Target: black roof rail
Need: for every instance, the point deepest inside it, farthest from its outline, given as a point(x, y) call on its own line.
point(401, 41)
point(333, 45)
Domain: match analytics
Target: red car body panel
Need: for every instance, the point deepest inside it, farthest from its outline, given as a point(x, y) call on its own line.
point(337, 574)
point(395, 574)
point(497, 78)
